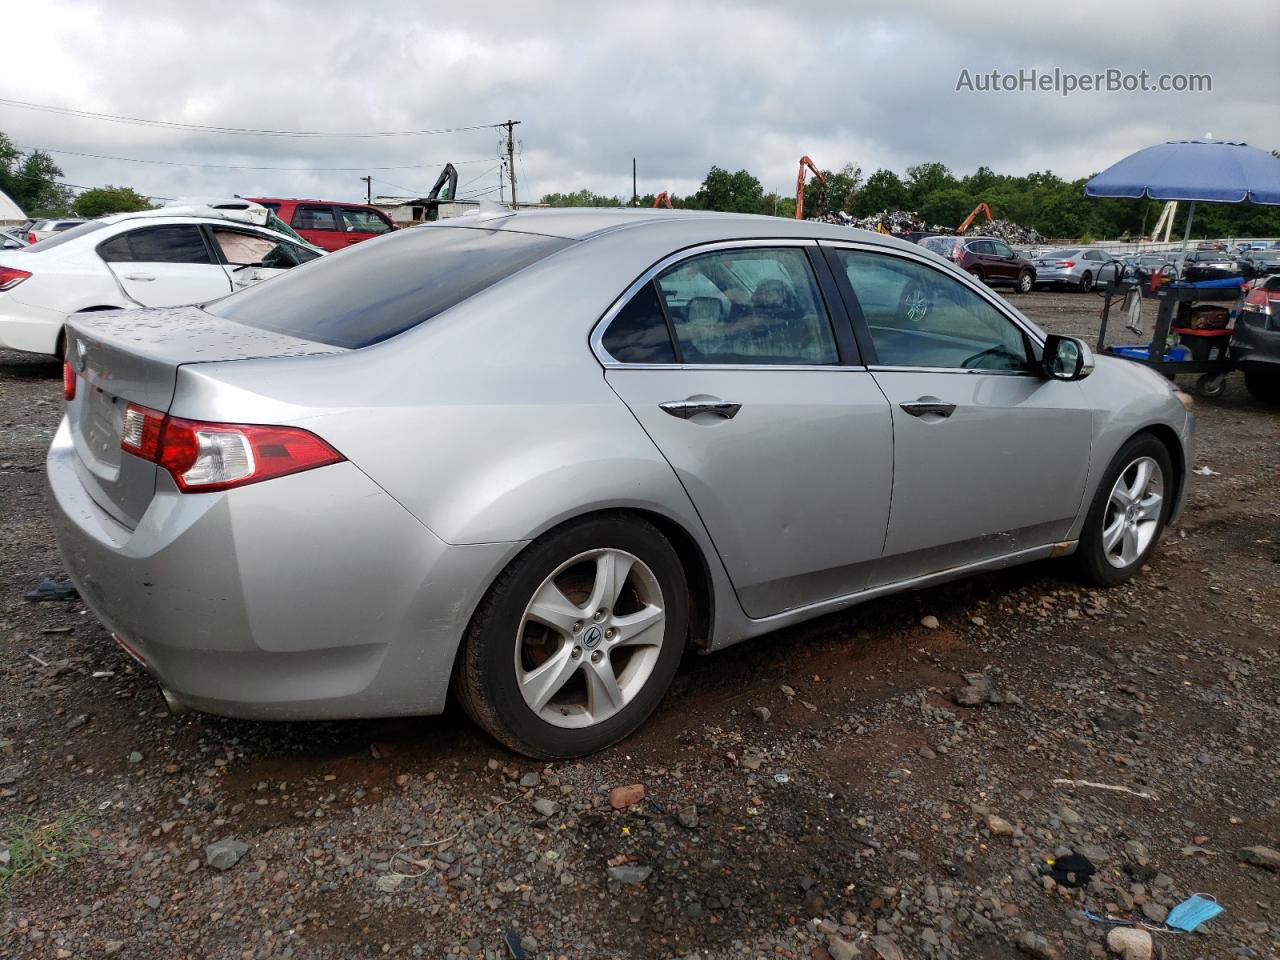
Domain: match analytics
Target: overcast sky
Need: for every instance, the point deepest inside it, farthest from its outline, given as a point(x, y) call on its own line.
point(680, 86)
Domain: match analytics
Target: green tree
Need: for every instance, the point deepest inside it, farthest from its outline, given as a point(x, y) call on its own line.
point(884, 190)
point(103, 201)
point(30, 180)
point(734, 192)
point(925, 179)
point(582, 198)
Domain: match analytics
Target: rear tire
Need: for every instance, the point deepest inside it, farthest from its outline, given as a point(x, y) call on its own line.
point(1124, 522)
point(1210, 385)
point(976, 273)
point(1265, 388)
point(534, 632)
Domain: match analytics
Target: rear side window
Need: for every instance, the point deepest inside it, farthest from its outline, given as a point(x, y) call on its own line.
point(173, 244)
point(312, 217)
point(380, 288)
point(639, 333)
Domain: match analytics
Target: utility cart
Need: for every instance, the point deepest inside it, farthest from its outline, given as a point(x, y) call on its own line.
point(1204, 348)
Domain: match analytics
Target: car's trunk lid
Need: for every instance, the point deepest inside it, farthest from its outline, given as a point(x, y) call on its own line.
point(123, 357)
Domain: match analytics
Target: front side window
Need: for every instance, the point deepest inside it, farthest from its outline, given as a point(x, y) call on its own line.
point(756, 305)
point(241, 249)
point(313, 217)
point(921, 317)
point(168, 244)
point(359, 220)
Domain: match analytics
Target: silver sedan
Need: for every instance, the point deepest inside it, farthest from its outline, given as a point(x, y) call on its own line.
point(1076, 268)
point(532, 458)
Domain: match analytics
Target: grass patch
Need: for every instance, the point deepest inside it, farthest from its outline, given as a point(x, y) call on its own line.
point(34, 845)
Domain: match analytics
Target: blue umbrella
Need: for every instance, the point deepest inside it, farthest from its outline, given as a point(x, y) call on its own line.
point(1218, 171)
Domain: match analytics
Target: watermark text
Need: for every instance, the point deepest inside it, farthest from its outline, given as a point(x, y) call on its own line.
point(1066, 83)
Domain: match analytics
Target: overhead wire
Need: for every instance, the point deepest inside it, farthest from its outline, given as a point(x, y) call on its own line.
point(238, 131)
point(235, 166)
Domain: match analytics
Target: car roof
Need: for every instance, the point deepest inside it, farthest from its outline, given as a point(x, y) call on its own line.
point(585, 223)
point(339, 203)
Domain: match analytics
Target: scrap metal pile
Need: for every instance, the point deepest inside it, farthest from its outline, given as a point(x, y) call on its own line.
point(906, 221)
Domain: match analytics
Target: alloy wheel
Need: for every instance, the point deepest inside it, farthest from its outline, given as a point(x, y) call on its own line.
point(917, 305)
point(1133, 513)
point(590, 638)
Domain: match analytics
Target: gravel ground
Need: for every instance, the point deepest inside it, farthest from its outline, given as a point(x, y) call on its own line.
point(821, 793)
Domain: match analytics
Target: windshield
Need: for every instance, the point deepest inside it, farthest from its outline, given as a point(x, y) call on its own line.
point(385, 286)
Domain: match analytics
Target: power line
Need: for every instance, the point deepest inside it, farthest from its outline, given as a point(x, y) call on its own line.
point(233, 166)
point(238, 131)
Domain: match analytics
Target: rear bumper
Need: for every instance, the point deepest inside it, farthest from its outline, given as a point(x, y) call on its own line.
point(305, 597)
point(28, 328)
point(1048, 278)
point(1255, 344)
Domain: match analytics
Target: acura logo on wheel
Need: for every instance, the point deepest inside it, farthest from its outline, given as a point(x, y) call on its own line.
point(592, 637)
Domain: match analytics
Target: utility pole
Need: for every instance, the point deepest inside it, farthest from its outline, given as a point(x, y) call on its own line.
point(511, 156)
point(368, 189)
point(635, 197)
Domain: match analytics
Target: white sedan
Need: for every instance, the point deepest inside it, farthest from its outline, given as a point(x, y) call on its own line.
point(155, 258)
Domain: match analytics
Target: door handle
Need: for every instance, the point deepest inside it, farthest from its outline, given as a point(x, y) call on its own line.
point(143, 277)
point(686, 409)
point(927, 405)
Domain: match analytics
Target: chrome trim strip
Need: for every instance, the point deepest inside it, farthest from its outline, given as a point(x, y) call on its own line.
point(1044, 550)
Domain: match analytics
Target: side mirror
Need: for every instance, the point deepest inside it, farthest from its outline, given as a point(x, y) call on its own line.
point(1066, 358)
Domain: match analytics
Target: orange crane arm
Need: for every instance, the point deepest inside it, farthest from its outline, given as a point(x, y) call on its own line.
point(662, 200)
point(805, 162)
point(968, 221)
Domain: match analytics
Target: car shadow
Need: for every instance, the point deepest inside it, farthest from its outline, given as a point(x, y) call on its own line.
point(28, 366)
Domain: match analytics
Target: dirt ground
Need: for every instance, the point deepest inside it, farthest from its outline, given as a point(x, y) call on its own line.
point(862, 812)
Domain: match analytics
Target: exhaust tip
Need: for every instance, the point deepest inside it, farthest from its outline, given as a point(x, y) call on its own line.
point(176, 706)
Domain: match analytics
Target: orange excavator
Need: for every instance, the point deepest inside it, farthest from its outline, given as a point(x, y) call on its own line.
point(805, 162)
point(662, 200)
point(968, 221)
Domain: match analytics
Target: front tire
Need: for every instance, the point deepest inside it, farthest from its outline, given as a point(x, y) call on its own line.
point(1128, 513)
point(578, 639)
point(1086, 282)
point(1025, 282)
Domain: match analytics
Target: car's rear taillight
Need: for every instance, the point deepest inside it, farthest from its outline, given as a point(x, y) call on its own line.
point(204, 457)
point(68, 382)
point(1065, 264)
point(31, 237)
point(10, 277)
point(1258, 301)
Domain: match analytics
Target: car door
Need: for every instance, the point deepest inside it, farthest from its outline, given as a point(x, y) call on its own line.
point(318, 223)
point(362, 223)
point(165, 265)
point(249, 257)
point(989, 458)
point(1006, 261)
point(729, 359)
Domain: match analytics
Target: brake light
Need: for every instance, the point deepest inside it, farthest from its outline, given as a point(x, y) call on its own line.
point(1065, 264)
point(204, 457)
point(1257, 301)
point(68, 382)
point(10, 277)
point(31, 237)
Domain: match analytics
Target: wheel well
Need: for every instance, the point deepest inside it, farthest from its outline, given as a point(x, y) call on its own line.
point(696, 572)
point(1166, 435)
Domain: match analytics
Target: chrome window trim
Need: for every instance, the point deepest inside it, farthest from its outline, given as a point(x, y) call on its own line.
point(968, 371)
point(952, 271)
point(607, 360)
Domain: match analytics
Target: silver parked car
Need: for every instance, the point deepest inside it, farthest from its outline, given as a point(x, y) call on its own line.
point(530, 458)
point(1080, 268)
point(44, 229)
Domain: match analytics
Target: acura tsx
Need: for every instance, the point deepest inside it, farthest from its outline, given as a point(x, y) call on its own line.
point(528, 459)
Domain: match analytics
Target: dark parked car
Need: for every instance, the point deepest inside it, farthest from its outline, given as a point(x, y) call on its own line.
point(990, 260)
point(1260, 263)
point(328, 225)
point(1210, 265)
point(1255, 345)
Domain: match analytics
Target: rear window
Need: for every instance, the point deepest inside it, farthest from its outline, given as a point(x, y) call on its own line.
point(58, 239)
point(383, 287)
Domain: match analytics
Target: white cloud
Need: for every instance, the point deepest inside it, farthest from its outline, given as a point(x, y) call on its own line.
point(681, 86)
